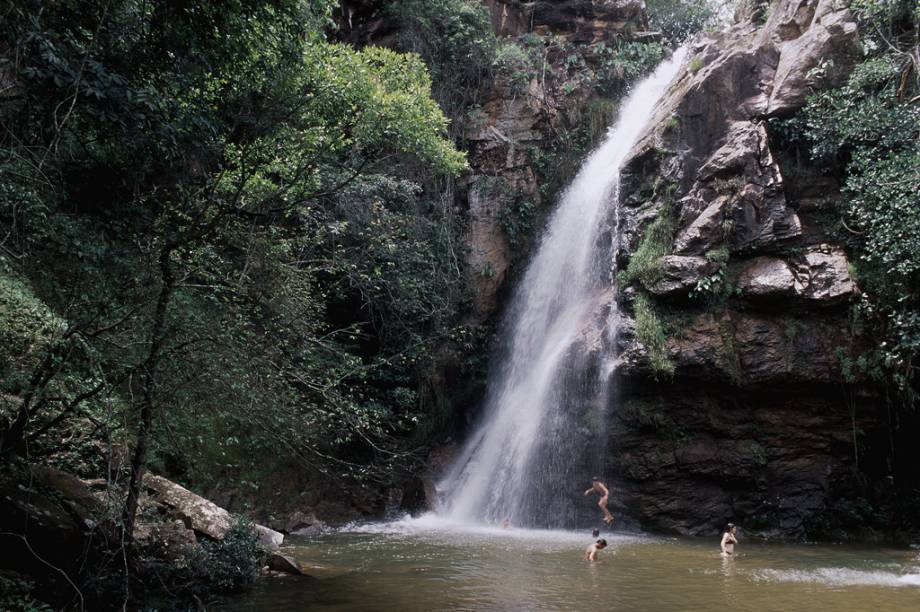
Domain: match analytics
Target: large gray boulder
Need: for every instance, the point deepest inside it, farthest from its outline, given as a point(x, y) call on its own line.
point(767, 277)
point(199, 514)
point(679, 274)
point(820, 276)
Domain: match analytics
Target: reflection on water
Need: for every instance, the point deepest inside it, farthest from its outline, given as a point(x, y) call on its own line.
point(425, 564)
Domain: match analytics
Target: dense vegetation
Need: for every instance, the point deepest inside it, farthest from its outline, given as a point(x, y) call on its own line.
point(215, 243)
point(868, 132)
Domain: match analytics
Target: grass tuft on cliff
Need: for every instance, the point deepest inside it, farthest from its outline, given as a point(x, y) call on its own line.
point(650, 332)
point(656, 242)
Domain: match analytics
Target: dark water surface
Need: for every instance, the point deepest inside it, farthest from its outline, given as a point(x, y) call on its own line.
point(424, 564)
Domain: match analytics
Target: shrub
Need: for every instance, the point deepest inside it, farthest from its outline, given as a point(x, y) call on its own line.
point(656, 242)
point(515, 65)
point(678, 20)
point(18, 594)
point(234, 561)
point(651, 333)
point(696, 64)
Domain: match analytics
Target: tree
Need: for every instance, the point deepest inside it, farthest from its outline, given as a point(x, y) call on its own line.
point(176, 175)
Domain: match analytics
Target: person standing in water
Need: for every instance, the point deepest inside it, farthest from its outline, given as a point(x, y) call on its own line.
point(729, 539)
point(591, 551)
point(601, 489)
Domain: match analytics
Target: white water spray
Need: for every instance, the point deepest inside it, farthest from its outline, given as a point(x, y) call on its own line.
point(511, 467)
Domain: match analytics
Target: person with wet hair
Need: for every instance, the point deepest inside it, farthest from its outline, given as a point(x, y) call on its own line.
point(729, 539)
point(591, 551)
point(601, 489)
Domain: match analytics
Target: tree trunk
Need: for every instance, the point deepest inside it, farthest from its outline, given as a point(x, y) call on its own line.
point(145, 425)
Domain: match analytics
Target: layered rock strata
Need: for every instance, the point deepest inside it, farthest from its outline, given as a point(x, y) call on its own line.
point(758, 424)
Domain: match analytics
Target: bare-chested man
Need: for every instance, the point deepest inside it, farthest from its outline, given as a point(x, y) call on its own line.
point(729, 539)
point(601, 489)
point(591, 551)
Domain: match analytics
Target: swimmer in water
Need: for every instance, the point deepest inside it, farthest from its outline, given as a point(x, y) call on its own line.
point(601, 489)
point(729, 539)
point(591, 551)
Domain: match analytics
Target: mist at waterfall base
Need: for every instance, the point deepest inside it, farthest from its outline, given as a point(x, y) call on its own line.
point(543, 432)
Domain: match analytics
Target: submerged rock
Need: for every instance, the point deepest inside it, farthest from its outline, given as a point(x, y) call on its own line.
point(286, 564)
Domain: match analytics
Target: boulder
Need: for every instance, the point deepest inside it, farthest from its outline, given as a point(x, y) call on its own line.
point(822, 276)
point(829, 279)
point(582, 21)
point(37, 527)
point(72, 491)
point(704, 232)
point(679, 274)
point(199, 514)
point(269, 538)
point(766, 277)
point(819, 44)
point(172, 537)
point(300, 522)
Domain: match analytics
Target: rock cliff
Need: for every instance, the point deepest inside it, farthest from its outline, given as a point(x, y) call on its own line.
point(757, 422)
point(538, 115)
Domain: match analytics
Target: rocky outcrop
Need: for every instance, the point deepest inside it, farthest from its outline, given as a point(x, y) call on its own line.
point(582, 21)
point(821, 276)
point(752, 426)
point(518, 123)
point(199, 514)
point(679, 274)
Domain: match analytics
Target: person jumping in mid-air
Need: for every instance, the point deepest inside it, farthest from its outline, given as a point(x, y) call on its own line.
point(601, 489)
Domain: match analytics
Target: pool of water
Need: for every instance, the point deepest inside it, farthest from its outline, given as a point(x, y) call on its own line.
point(426, 564)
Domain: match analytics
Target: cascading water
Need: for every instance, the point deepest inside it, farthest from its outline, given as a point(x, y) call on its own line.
point(545, 395)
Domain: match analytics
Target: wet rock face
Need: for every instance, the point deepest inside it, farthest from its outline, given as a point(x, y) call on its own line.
point(693, 459)
point(752, 427)
point(518, 123)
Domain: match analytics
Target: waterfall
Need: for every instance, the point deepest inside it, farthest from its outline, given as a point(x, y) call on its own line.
point(546, 397)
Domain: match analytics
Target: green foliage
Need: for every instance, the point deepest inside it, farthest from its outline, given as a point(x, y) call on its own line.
point(655, 243)
point(380, 98)
point(455, 40)
point(625, 63)
point(696, 64)
point(679, 19)
point(27, 329)
point(519, 222)
point(651, 333)
point(517, 64)
point(18, 595)
point(716, 287)
point(234, 561)
point(174, 575)
point(233, 230)
point(869, 127)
